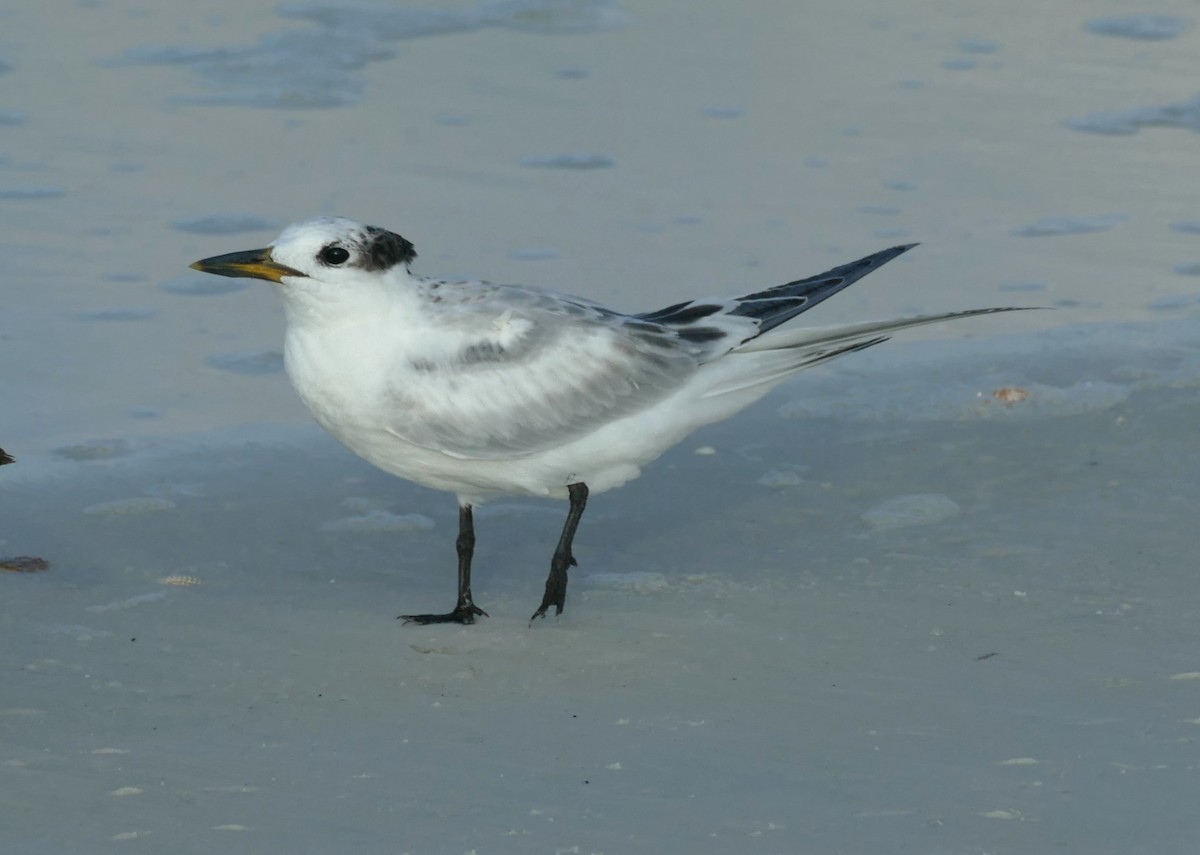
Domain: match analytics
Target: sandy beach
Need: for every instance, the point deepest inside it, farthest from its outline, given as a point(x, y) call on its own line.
point(937, 597)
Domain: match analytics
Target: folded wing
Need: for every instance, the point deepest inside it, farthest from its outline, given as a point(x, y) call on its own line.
point(549, 371)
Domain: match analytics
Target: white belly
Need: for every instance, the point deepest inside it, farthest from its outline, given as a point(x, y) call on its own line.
point(347, 392)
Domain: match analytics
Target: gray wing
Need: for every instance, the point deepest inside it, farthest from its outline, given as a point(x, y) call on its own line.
point(530, 370)
point(527, 370)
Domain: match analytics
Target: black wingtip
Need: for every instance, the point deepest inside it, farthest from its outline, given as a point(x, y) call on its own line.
point(780, 304)
point(6, 458)
point(886, 255)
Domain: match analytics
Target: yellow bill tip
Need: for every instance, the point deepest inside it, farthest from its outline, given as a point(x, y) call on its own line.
point(251, 264)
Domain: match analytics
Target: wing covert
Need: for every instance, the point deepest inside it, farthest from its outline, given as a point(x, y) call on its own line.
point(534, 375)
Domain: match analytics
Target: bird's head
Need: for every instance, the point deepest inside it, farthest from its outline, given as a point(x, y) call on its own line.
point(327, 258)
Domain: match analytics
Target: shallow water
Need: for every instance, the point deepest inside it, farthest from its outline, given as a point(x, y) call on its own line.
point(935, 597)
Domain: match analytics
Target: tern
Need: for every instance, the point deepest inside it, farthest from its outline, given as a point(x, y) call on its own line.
point(486, 390)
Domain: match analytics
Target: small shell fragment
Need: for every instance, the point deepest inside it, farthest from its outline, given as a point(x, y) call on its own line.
point(179, 581)
point(24, 564)
point(1010, 394)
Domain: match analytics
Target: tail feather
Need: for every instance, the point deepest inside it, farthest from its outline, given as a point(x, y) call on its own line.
point(768, 371)
point(766, 361)
point(747, 352)
point(807, 337)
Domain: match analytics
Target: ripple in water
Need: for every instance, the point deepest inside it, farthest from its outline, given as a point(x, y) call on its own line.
point(321, 67)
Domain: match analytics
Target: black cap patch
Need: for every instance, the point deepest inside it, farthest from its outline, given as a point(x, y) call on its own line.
point(383, 250)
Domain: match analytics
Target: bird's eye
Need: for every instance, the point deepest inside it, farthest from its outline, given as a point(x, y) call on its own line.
point(333, 255)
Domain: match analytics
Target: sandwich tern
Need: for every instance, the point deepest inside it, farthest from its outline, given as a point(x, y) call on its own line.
point(485, 390)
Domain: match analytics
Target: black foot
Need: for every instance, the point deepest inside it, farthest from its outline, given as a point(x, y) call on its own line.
point(556, 589)
point(464, 614)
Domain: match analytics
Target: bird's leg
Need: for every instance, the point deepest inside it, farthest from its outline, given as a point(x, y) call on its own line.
point(465, 610)
point(556, 582)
